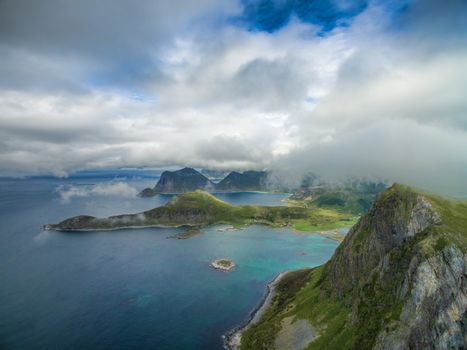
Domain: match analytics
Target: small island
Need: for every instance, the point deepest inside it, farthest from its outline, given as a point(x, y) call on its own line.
point(188, 233)
point(223, 264)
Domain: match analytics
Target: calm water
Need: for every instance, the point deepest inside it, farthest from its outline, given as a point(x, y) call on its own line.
point(131, 288)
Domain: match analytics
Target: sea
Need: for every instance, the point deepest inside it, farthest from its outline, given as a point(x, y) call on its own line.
point(132, 288)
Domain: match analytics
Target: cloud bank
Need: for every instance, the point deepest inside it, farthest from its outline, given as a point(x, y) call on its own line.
point(106, 189)
point(360, 88)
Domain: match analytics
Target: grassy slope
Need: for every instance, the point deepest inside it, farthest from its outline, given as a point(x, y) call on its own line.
point(310, 295)
point(341, 206)
point(200, 208)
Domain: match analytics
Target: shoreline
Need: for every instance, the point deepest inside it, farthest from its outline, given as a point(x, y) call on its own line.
point(232, 338)
point(48, 228)
point(325, 233)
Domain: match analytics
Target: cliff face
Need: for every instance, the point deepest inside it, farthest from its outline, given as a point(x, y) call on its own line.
point(386, 252)
point(188, 180)
point(397, 281)
point(180, 181)
point(246, 181)
point(184, 180)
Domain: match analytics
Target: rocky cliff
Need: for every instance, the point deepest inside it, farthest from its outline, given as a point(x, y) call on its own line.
point(397, 281)
point(180, 181)
point(246, 181)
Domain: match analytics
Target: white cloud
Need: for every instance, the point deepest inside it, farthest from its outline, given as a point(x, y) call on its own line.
point(194, 92)
point(106, 189)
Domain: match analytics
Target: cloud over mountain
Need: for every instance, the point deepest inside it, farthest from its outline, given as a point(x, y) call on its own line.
point(343, 88)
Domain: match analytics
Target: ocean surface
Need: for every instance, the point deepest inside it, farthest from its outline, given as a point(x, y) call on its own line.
point(130, 289)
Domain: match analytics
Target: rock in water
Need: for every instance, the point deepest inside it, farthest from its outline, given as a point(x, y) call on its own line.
point(223, 264)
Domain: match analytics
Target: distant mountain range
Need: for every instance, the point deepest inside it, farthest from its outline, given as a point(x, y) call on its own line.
point(189, 179)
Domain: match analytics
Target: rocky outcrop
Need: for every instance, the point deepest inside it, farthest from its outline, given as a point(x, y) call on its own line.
point(397, 281)
point(384, 252)
point(434, 313)
point(188, 180)
point(246, 181)
point(395, 217)
point(180, 181)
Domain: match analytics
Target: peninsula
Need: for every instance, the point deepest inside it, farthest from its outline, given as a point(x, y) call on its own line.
point(199, 209)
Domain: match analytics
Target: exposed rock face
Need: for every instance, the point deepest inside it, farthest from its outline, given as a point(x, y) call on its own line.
point(188, 180)
point(246, 181)
point(388, 225)
point(294, 334)
point(180, 181)
point(379, 253)
point(397, 281)
point(434, 315)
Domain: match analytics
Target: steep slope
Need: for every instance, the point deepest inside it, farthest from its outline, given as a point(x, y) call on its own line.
point(197, 208)
point(397, 281)
point(246, 181)
point(180, 181)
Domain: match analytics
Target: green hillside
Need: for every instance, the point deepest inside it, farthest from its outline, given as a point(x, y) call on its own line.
point(397, 281)
point(200, 208)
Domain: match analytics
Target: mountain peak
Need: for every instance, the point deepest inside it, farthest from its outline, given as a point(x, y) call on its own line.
point(179, 181)
point(397, 281)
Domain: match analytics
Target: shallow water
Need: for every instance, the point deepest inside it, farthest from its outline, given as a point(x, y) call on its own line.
point(130, 288)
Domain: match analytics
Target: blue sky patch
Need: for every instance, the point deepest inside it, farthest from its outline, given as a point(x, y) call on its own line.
point(271, 15)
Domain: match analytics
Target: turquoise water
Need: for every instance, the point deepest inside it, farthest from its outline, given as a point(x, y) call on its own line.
point(130, 289)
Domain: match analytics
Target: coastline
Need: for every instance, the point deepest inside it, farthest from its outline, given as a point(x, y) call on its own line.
point(48, 228)
point(233, 338)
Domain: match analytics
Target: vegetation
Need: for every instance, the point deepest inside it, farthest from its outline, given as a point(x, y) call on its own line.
point(200, 208)
point(246, 181)
point(354, 197)
point(350, 300)
point(225, 263)
point(180, 181)
point(189, 179)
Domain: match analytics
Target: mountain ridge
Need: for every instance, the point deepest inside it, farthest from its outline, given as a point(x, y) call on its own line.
point(189, 179)
point(397, 281)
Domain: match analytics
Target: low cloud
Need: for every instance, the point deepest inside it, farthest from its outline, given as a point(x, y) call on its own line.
point(381, 96)
point(111, 189)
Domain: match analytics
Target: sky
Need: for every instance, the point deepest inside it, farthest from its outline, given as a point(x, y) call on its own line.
point(366, 88)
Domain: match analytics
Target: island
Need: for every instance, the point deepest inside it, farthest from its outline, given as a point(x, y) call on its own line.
point(244, 182)
point(189, 179)
point(200, 209)
point(179, 181)
point(188, 233)
point(223, 264)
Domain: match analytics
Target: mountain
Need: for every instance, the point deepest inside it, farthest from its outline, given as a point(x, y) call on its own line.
point(180, 181)
point(246, 181)
point(197, 208)
point(397, 281)
point(188, 179)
